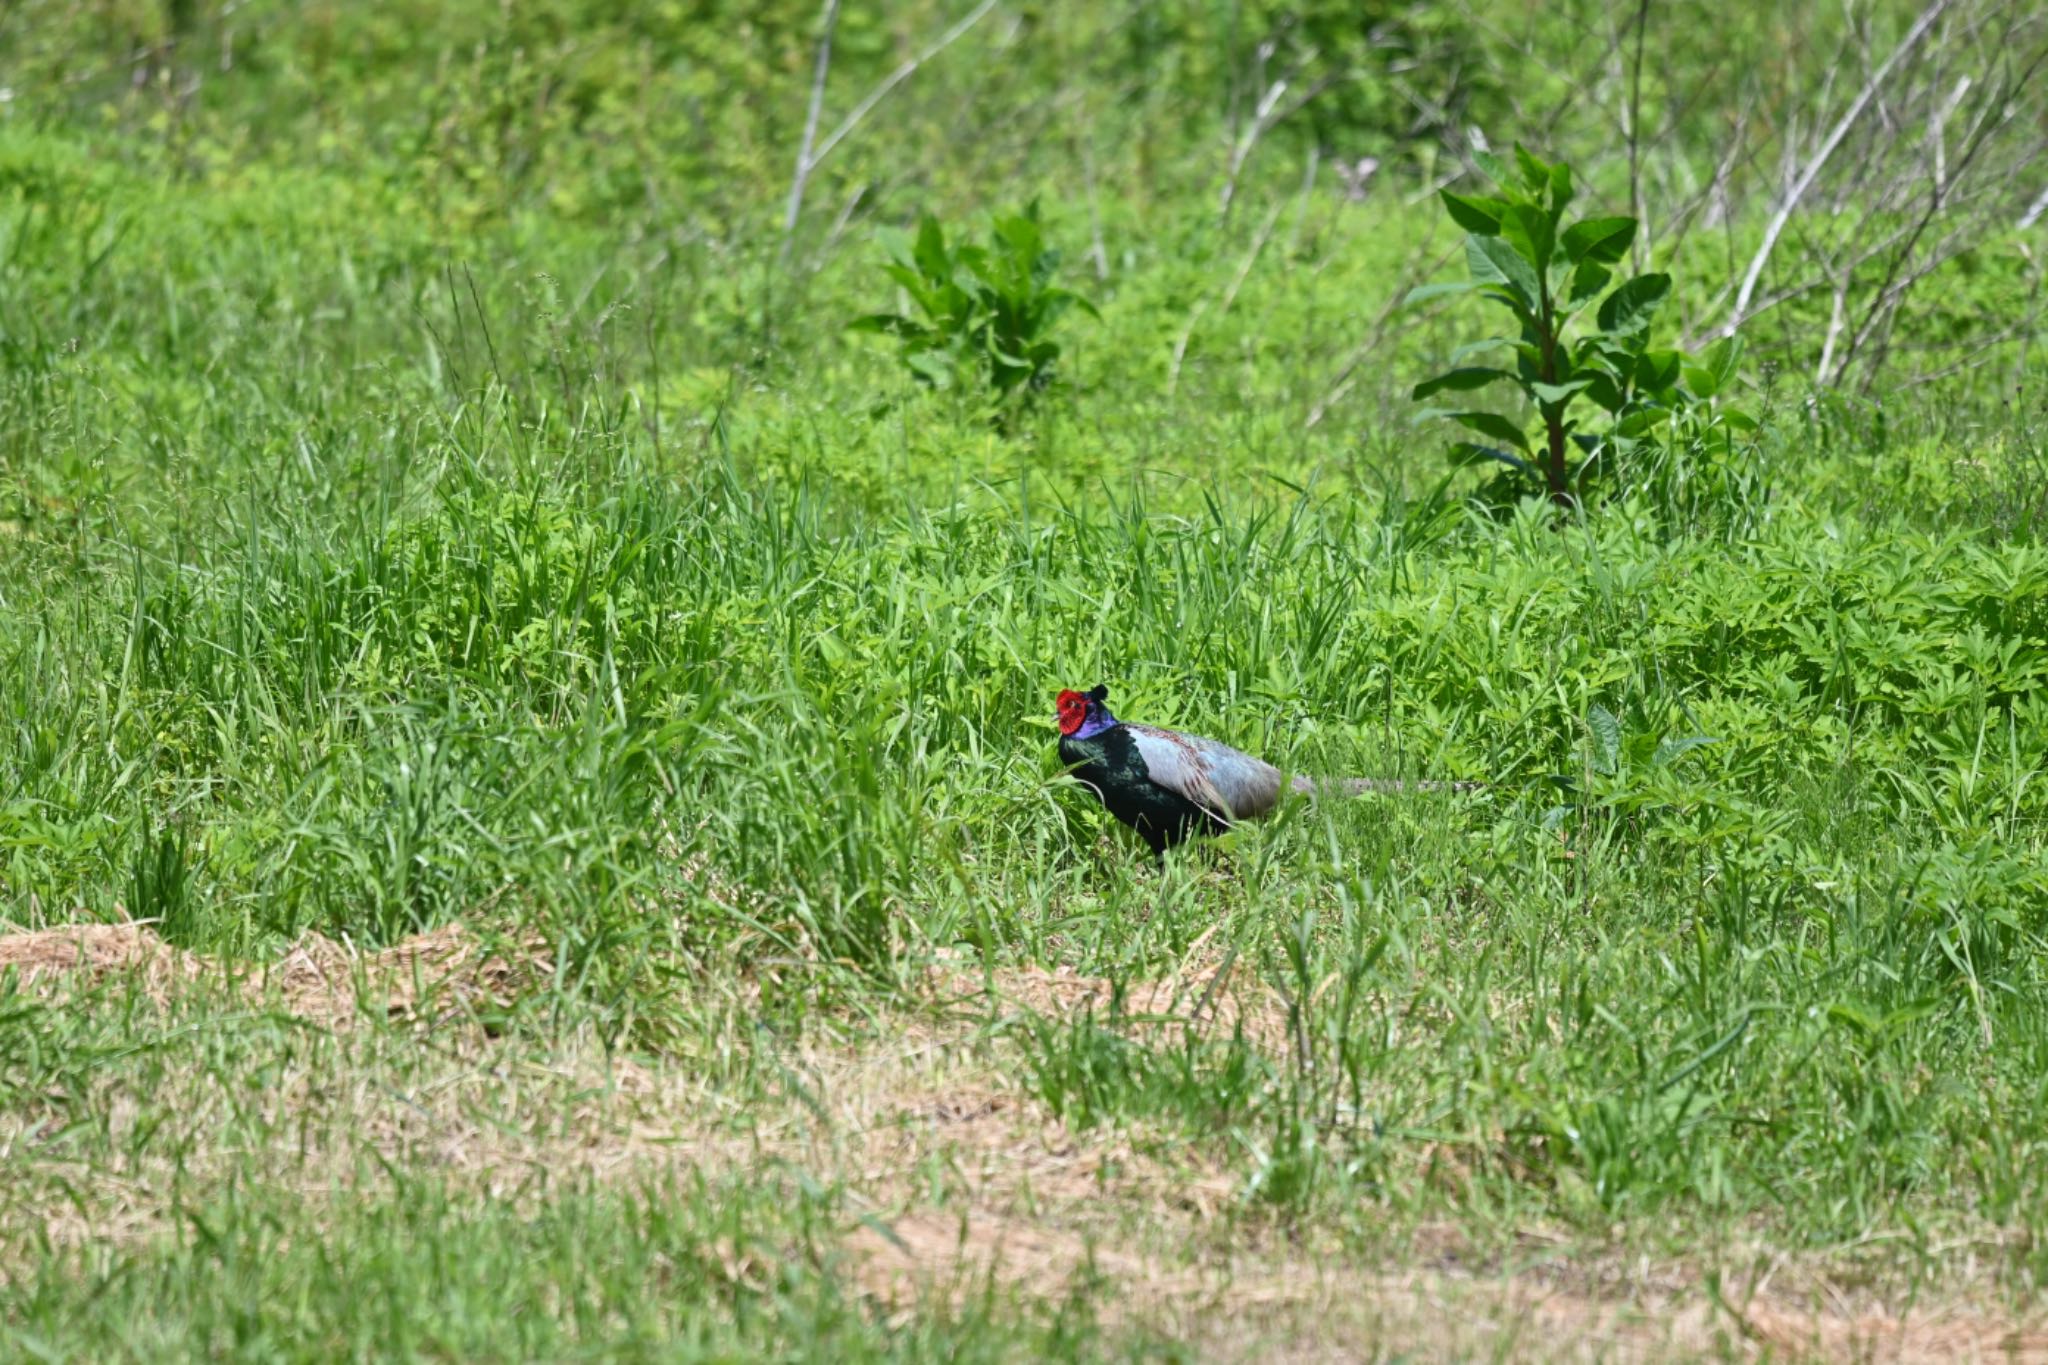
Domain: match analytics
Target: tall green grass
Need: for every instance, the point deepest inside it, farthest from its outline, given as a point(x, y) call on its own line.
point(1718, 973)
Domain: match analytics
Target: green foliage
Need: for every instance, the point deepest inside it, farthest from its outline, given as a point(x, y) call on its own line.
point(987, 311)
point(1411, 77)
point(1521, 254)
point(159, 889)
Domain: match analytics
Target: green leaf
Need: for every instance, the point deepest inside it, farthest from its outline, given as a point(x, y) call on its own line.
point(930, 253)
point(1670, 750)
point(1558, 393)
point(1492, 261)
point(1560, 189)
point(1908, 1013)
point(1492, 166)
point(1472, 348)
point(1532, 230)
point(1021, 234)
point(1466, 453)
point(1587, 281)
point(1630, 308)
point(1535, 171)
point(1717, 365)
point(1459, 380)
point(935, 367)
point(913, 283)
point(971, 272)
point(1602, 389)
point(1494, 425)
point(1855, 1018)
point(1605, 240)
point(1724, 357)
point(1657, 370)
point(887, 324)
point(1431, 291)
point(1475, 213)
point(1058, 301)
point(1606, 739)
point(895, 243)
point(1640, 421)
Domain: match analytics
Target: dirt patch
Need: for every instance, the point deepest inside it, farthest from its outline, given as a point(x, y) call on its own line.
point(1213, 995)
point(899, 1262)
point(450, 967)
point(318, 979)
point(333, 983)
point(1288, 1307)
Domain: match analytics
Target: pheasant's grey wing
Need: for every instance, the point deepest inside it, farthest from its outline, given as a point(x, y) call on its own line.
point(1221, 780)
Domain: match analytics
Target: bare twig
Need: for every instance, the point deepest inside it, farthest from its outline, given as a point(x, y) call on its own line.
point(846, 212)
point(900, 75)
point(1635, 140)
point(1268, 115)
point(1837, 315)
point(1244, 269)
point(1347, 374)
point(804, 162)
point(1096, 254)
point(2021, 330)
point(1893, 288)
point(1796, 191)
point(1540, 128)
point(2034, 212)
point(808, 159)
point(1309, 165)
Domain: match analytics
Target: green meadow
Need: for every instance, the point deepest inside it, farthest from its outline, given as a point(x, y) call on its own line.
point(530, 822)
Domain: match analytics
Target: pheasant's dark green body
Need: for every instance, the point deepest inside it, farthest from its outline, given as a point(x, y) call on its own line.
point(1111, 764)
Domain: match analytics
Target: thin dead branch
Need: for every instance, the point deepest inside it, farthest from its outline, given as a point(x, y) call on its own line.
point(1422, 265)
point(809, 157)
point(1195, 315)
point(804, 162)
point(1816, 163)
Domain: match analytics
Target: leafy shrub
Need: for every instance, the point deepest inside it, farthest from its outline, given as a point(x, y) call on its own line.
point(1375, 58)
point(989, 309)
point(1643, 398)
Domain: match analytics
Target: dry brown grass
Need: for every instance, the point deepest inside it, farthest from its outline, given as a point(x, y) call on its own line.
point(318, 979)
point(53, 959)
point(959, 1179)
point(1282, 1305)
point(1211, 994)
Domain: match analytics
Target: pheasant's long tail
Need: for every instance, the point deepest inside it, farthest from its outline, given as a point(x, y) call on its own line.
point(1360, 786)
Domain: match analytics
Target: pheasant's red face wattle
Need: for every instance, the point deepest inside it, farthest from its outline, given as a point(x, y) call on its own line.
point(1073, 711)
